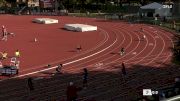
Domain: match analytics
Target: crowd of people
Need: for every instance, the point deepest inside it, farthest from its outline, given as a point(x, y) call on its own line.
point(72, 89)
point(14, 61)
point(4, 37)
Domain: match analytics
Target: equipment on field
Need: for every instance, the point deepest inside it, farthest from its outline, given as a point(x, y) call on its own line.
point(8, 70)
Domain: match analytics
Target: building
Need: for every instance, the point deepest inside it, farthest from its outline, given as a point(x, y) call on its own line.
point(155, 10)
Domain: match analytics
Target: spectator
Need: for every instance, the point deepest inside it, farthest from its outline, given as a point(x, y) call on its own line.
point(30, 84)
point(85, 76)
point(177, 82)
point(177, 85)
point(72, 92)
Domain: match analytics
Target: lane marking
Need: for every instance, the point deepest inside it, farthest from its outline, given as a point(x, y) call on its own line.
point(67, 62)
point(72, 69)
point(83, 53)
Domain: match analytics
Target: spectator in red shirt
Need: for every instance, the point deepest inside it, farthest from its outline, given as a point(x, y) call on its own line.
point(72, 92)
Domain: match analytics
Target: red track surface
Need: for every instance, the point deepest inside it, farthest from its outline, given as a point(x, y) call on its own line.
point(100, 48)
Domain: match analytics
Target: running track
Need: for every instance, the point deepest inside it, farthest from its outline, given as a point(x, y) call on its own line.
point(100, 49)
point(113, 35)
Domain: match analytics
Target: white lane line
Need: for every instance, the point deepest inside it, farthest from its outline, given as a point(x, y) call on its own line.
point(151, 44)
point(67, 62)
point(72, 69)
point(82, 53)
point(128, 52)
point(144, 60)
point(112, 56)
point(157, 47)
point(166, 45)
point(140, 51)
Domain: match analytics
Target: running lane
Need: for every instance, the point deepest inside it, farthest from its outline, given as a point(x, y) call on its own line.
point(104, 55)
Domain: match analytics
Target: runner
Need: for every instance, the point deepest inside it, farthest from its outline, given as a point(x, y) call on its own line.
point(79, 48)
point(144, 37)
point(35, 40)
point(122, 51)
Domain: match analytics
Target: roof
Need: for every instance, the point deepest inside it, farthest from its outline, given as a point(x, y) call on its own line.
point(153, 5)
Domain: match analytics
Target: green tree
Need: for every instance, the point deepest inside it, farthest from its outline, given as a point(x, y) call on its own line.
point(2, 3)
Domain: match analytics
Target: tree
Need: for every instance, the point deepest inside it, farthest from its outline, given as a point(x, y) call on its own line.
point(2, 3)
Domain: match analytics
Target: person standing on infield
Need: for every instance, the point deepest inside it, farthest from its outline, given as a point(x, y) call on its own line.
point(4, 32)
